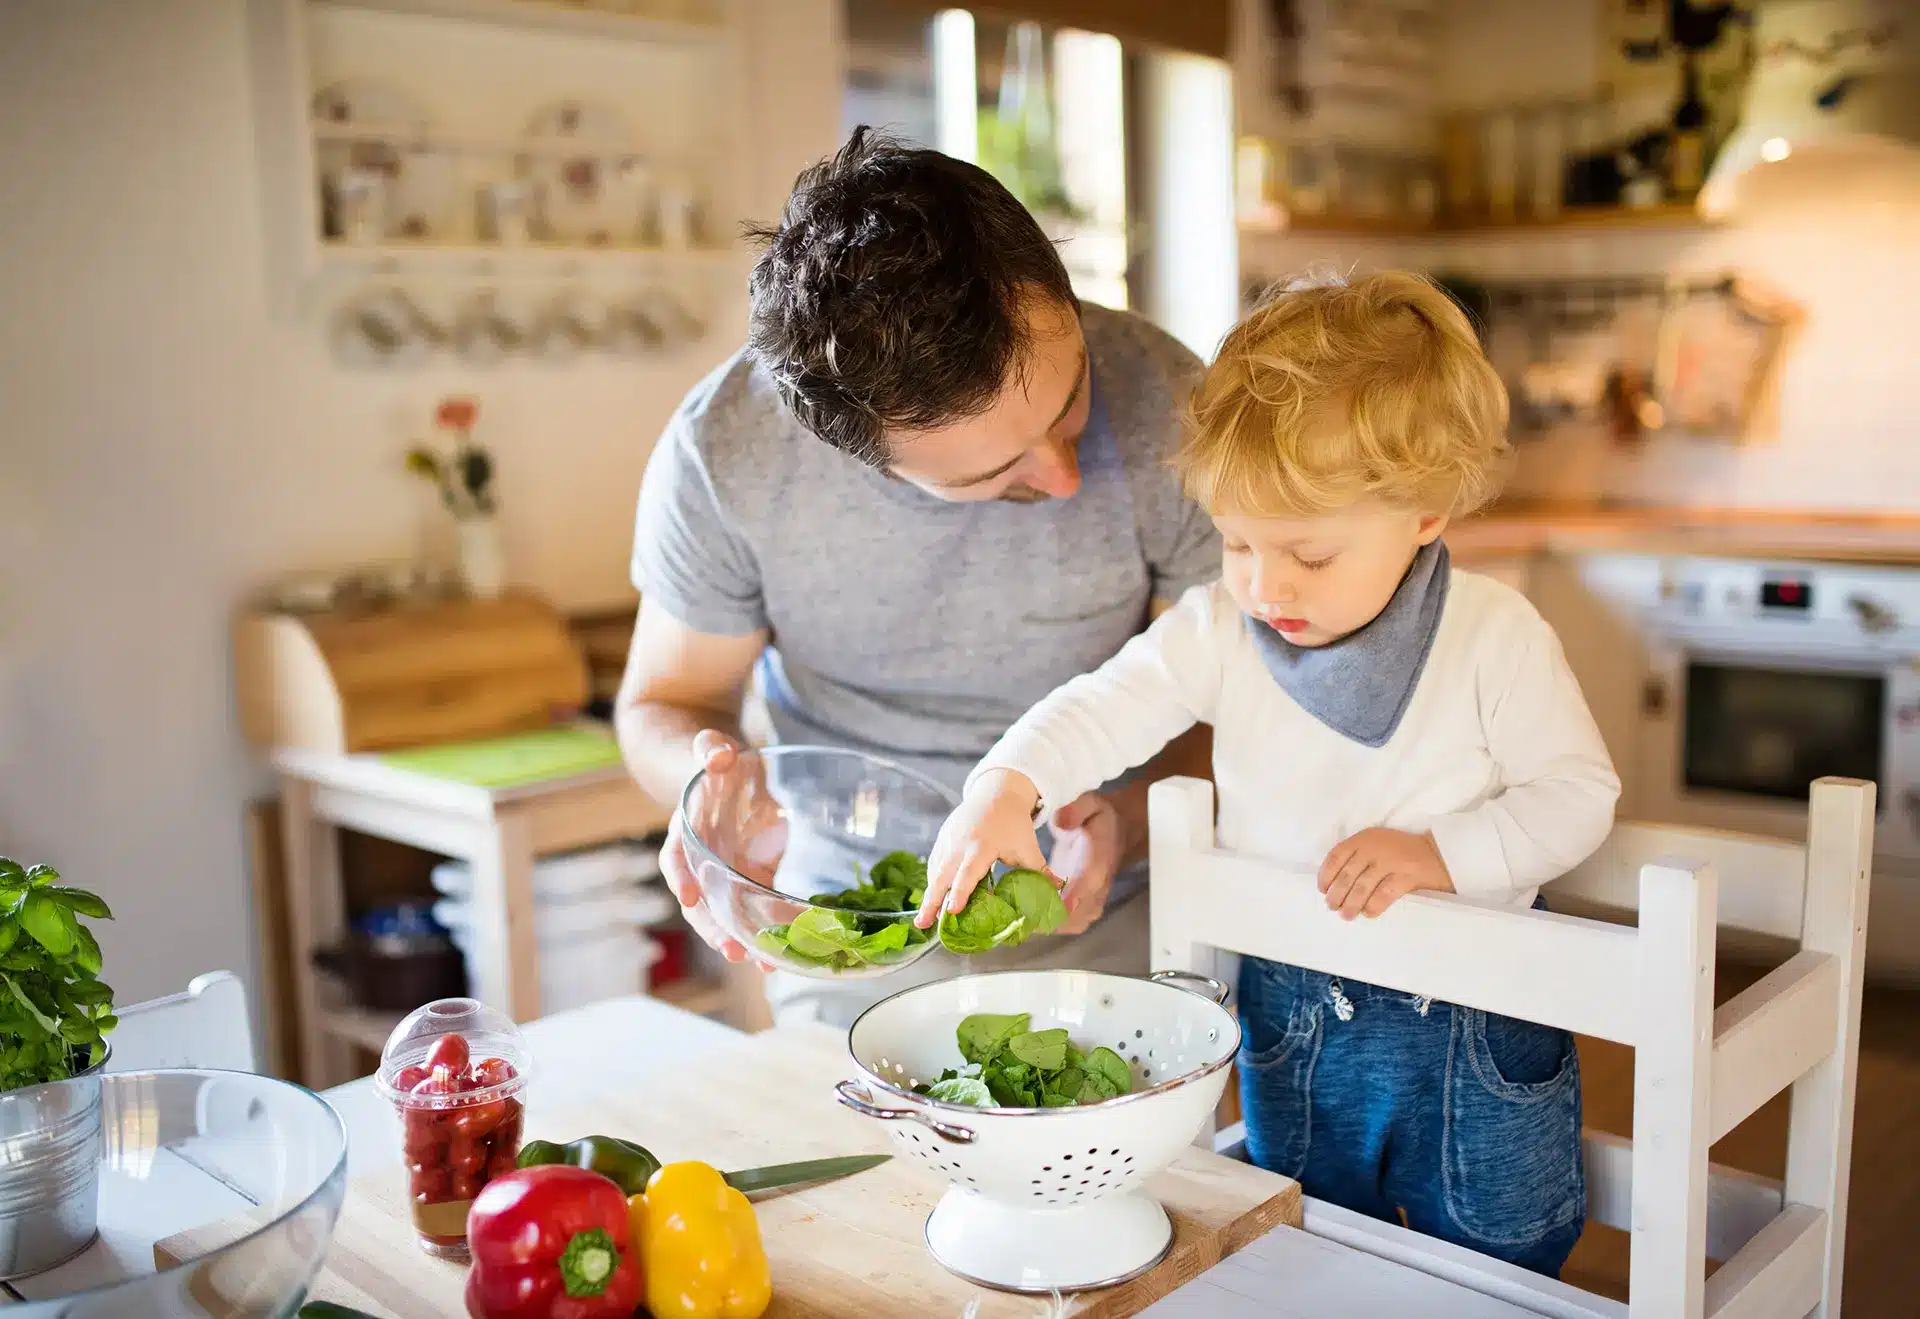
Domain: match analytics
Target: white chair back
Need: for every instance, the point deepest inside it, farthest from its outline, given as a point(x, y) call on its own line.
point(207, 1026)
point(1698, 1071)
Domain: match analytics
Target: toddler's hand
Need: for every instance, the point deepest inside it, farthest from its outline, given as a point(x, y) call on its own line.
point(1377, 867)
point(993, 823)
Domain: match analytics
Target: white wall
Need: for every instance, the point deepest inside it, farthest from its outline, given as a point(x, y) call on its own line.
point(166, 444)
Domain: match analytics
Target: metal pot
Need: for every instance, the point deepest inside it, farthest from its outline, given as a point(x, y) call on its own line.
point(50, 1155)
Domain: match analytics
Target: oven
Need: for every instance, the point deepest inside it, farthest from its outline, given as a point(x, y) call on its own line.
point(1759, 678)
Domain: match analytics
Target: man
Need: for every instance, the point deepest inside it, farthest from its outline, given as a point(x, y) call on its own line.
point(932, 487)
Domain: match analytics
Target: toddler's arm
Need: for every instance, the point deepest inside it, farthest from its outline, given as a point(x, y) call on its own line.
point(1084, 734)
point(1557, 805)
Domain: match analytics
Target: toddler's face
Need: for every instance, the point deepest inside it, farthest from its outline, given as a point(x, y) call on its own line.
point(1314, 580)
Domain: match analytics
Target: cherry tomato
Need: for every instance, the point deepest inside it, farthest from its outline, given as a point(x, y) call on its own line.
point(408, 1077)
point(439, 1083)
point(489, 1072)
point(501, 1164)
point(428, 1184)
point(422, 1139)
point(465, 1185)
point(450, 1052)
point(466, 1157)
point(474, 1120)
point(507, 1134)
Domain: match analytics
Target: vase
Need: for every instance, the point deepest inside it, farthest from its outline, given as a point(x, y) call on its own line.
point(482, 566)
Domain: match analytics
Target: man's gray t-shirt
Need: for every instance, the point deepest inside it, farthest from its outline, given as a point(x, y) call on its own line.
point(909, 626)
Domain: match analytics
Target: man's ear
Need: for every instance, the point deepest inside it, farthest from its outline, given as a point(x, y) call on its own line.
point(1431, 525)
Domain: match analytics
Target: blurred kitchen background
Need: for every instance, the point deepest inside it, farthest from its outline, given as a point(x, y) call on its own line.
point(335, 335)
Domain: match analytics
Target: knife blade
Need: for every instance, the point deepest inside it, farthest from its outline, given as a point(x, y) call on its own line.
point(749, 1180)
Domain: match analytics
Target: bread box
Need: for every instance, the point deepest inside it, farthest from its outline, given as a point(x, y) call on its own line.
point(407, 674)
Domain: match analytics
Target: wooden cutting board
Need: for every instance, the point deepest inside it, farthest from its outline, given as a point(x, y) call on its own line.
point(854, 1247)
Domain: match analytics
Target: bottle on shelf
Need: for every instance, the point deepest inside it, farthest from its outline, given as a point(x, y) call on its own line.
point(1686, 165)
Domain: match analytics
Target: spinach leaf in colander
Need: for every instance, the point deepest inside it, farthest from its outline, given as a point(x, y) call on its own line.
point(1011, 1066)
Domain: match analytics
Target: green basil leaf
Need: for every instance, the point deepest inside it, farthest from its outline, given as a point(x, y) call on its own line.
point(25, 1000)
point(81, 901)
point(39, 876)
point(88, 957)
point(50, 924)
point(90, 991)
point(11, 872)
point(9, 935)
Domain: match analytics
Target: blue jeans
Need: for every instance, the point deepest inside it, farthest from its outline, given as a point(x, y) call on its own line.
point(1379, 1102)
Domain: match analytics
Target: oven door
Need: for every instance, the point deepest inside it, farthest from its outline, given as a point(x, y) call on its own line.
point(1731, 738)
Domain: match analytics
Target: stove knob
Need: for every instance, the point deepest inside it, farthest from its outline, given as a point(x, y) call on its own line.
point(1872, 615)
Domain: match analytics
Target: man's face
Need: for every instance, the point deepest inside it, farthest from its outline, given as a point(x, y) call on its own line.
point(1026, 446)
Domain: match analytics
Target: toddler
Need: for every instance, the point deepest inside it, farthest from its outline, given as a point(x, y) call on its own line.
point(1379, 719)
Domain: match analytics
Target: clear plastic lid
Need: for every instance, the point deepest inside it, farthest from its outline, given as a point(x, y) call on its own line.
point(490, 1039)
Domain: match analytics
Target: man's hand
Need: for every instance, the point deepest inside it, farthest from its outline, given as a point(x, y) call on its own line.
point(729, 792)
point(1087, 849)
point(1375, 868)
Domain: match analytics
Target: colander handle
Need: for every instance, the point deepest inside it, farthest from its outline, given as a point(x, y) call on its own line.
point(857, 1099)
point(1214, 989)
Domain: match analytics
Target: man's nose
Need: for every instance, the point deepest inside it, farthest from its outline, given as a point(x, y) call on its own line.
point(1057, 470)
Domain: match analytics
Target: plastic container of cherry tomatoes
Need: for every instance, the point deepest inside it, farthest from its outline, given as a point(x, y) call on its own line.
point(454, 1071)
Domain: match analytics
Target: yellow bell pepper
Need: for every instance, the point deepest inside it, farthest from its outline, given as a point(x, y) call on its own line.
point(700, 1246)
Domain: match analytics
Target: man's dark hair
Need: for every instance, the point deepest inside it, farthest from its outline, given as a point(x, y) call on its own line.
point(890, 292)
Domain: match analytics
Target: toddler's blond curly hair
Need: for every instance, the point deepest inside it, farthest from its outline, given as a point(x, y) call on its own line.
point(1332, 390)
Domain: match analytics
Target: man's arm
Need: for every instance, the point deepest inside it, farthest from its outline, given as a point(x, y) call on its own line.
point(678, 683)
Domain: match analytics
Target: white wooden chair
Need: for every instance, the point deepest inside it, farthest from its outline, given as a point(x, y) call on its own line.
point(206, 1026)
point(1698, 1071)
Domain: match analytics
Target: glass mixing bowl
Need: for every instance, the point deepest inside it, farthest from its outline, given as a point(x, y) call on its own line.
point(251, 1169)
point(772, 841)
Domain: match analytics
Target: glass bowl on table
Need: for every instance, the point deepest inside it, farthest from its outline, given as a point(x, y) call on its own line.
point(454, 1072)
point(217, 1195)
point(812, 857)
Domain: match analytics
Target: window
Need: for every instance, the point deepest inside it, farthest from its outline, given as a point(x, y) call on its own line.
point(1043, 110)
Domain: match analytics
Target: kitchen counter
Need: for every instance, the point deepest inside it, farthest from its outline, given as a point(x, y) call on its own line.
point(597, 1058)
point(1521, 529)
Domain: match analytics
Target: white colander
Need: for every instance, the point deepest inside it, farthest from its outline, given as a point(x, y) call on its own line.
point(1049, 1199)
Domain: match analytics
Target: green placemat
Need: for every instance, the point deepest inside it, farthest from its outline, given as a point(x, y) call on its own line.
point(517, 758)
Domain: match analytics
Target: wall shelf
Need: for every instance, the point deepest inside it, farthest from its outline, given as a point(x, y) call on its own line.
point(1668, 215)
point(552, 17)
point(477, 72)
point(538, 256)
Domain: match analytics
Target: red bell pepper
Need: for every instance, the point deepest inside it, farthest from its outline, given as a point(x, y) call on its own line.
point(552, 1242)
